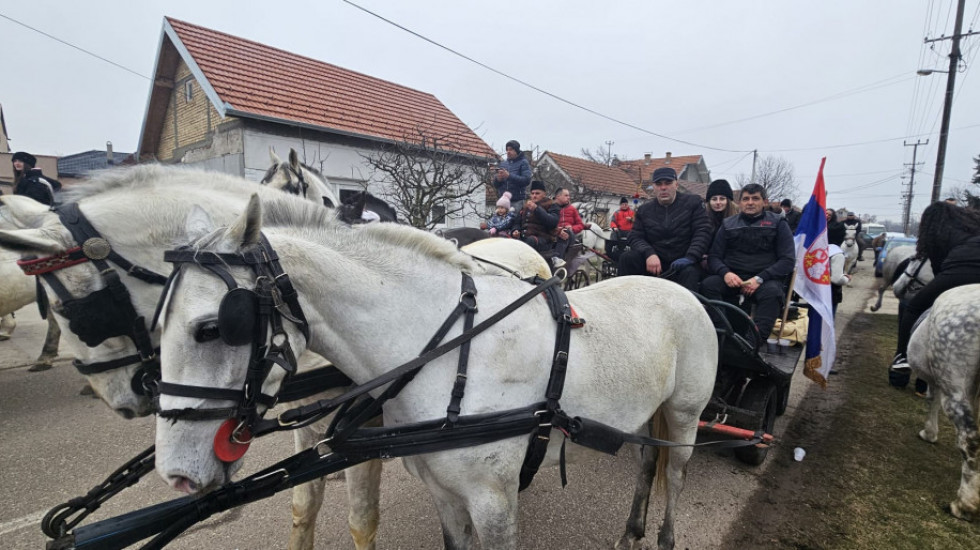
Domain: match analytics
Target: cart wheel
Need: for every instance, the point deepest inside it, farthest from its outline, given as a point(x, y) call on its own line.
point(579, 279)
point(782, 399)
point(759, 396)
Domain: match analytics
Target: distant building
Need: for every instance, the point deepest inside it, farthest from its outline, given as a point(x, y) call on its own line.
point(692, 173)
point(73, 168)
point(596, 187)
point(220, 102)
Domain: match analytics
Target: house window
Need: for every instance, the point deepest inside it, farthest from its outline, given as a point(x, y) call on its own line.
point(439, 214)
point(189, 91)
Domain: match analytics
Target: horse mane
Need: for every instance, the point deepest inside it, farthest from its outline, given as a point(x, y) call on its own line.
point(384, 237)
point(149, 175)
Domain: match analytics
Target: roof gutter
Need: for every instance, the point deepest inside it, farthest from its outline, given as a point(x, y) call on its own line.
point(246, 114)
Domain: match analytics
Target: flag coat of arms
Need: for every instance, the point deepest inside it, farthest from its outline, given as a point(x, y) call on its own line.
point(813, 283)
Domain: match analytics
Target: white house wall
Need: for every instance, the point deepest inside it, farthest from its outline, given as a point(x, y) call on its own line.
point(342, 164)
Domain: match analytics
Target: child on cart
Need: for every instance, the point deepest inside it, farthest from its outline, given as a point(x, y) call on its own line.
point(503, 220)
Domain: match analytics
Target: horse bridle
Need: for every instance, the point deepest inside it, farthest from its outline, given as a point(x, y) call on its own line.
point(104, 313)
point(914, 276)
point(245, 317)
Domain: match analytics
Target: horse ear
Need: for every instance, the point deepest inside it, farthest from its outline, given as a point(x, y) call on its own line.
point(198, 223)
point(294, 160)
point(247, 229)
point(275, 158)
point(31, 240)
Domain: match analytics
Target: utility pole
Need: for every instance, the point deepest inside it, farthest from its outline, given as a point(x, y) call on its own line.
point(954, 60)
point(908, 196)
point(609, 145)
point(755, 156)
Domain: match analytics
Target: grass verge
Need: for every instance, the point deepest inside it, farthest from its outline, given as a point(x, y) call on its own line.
point(868, 481)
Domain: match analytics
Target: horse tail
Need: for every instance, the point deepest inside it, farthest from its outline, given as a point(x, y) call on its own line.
point(660, 430)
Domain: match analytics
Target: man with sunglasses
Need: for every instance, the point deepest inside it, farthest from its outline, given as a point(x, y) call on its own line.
point(670, 234)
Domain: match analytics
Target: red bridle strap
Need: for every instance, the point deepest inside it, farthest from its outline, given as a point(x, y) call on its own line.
point(39, 266)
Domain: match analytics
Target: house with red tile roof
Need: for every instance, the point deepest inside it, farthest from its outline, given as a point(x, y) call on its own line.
point(598, 187)
point(221, 102)
point(692, 172)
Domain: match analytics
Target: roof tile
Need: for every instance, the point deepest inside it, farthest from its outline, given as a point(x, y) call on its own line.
point(264, 81)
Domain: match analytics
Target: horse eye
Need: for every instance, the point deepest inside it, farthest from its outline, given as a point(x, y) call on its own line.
point(207, 331)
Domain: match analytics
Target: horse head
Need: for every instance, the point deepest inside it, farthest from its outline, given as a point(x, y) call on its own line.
point(218, 320)
point(294, 177)
point(37, 231)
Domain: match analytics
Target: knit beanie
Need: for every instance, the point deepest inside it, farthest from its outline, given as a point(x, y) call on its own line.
point(26, 158)
point(504, 200)
point(624, 200)
point(720, 187)
point(515, 145)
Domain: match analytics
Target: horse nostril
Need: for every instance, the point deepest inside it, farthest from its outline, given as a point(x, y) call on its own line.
point(184, 485)
point(126, 413)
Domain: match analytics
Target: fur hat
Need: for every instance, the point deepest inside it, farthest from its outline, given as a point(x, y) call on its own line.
point(664, 173)
point(515, 145)
point(504, 200)
point(538, 185)
point(720, 187)
point(624, 200)
point(26, 158)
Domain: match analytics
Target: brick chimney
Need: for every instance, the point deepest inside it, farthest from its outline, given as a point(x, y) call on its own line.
point(109, 158)
point(668, 158)
point(646, 159)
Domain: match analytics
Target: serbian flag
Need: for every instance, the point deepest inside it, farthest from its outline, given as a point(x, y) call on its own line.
point(813, 284)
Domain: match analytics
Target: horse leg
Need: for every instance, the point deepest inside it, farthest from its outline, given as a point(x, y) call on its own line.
point(682, 427)
point(960, 412)
point(363, 495)
point(307, 498)
point(636, 525)
point(50, 350)
point(7, 325)
point(930, 432)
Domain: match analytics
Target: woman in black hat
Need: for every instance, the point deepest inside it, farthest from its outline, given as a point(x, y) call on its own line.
point(720, 203)
point(30, 182)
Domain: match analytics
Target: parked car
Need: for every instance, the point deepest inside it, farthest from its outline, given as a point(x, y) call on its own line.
point(899, 239)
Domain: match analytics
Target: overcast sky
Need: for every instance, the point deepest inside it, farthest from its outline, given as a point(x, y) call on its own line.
point(841, 73)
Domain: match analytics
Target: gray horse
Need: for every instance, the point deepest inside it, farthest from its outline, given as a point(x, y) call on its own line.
point(945, 351)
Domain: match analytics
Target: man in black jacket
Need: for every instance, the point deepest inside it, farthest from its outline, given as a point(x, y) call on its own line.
point(30, 182)
point(753, 254)
point(670, 234)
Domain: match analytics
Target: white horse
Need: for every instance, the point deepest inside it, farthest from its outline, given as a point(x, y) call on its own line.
point(143, 198)
point(372, 297)
point(17, 291)
point(851, 250)
point(158, 193)
point(890, 271)
point(945, 351)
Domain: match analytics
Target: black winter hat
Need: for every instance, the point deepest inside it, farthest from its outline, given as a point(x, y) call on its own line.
point(624, 200)
point(537, 185)
point(26, 158)
point(664, 173)
point(787, 203)
point(720, 187)
point(514, 144)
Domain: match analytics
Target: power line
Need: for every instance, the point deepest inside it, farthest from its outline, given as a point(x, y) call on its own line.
point(860, 89)
point(69, 44)
point(859, 143)
point(535, 88)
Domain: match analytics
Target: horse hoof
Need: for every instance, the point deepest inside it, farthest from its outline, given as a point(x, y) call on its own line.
point(628, 542)
point(924, 436)
point(956, 508)
point(4, 337)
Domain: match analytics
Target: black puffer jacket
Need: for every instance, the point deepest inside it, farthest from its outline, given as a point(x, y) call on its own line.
point(748, 246)
point(680, 229)
point(33, 184)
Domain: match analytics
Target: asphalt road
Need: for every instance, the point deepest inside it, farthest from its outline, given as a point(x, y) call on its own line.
point(56, 444)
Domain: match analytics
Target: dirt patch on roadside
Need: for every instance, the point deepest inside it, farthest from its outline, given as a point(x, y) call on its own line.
point(867, 480)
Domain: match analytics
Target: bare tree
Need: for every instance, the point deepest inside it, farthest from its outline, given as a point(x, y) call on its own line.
point(426, 180)
point(976, 171)
point(602, 155)
point(776, 175)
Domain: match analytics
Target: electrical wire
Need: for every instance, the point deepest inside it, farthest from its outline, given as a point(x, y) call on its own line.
point(70, 45)
point(536, 88)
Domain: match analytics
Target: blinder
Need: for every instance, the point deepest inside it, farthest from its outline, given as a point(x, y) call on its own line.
point(236, 317)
